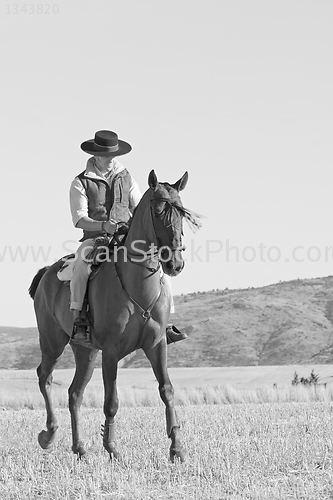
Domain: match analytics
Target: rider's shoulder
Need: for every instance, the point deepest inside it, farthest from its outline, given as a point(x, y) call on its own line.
point(81, 175)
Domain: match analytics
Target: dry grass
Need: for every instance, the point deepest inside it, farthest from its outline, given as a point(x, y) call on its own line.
point(134, 397)
point(243, 443)
point(264, 451)
point(138, 387)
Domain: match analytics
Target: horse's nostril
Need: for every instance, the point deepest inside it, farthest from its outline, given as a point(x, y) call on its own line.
point(170, 265)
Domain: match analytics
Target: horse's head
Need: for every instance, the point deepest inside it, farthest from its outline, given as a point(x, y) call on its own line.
point(167, 215)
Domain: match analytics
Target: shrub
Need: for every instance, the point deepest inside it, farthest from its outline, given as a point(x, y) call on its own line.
point(313, 379)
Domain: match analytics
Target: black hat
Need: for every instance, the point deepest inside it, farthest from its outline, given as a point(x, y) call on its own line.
point(106, 143)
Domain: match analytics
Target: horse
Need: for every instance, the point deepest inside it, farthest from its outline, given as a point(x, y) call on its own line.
point(129, 306)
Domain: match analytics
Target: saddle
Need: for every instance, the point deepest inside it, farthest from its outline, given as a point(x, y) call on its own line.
point(103, 248)
point(103, 245)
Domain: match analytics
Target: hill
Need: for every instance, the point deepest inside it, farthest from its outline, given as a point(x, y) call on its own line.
point(281, 324)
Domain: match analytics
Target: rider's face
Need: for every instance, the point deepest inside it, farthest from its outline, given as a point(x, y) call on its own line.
point(104, 162)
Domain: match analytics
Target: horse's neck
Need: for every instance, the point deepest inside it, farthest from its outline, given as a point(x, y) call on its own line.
point(140, 257)
point(141, 233)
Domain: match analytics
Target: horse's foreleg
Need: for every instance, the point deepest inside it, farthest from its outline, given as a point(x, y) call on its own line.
point(111, 403)
point(85, 360)
point(44, 372)
point(158, 359)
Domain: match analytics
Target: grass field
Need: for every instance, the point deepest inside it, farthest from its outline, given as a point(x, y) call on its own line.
point(244, 438)
point(19, 388)
point(263, 451)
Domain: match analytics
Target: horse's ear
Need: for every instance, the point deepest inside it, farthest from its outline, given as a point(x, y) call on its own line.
point(180, 185)
point(152, 180)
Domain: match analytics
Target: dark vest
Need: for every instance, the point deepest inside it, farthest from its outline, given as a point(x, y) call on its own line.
point(106, 203)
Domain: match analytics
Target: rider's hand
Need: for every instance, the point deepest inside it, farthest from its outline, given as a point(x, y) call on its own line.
point(110, 226)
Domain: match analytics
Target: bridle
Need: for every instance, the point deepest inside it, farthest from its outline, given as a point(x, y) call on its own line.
point(172, 206)
point(156, 255)
point(146, 313)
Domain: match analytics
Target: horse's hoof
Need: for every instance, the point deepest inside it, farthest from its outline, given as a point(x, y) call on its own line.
point(178, 453)
point(79, 451)
point(114, 456)
point(111, 449)
point(45, 441)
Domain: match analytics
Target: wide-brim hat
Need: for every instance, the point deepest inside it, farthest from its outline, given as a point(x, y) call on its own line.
point(106, 143)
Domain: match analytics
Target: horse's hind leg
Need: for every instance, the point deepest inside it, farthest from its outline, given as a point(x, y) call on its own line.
point(85, 363)
point(50, 356)
point(158, 359)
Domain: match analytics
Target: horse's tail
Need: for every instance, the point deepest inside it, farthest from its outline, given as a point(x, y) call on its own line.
point(35, 282)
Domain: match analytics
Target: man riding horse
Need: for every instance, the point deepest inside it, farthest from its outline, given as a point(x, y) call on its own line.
point(103, 195)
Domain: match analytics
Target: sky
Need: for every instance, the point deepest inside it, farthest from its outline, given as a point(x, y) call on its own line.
point(237, 92)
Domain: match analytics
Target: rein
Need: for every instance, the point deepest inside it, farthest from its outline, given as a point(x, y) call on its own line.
point(152, 270)
point(150, 257)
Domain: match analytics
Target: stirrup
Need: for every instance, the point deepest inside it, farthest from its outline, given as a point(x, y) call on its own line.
point(81, 332)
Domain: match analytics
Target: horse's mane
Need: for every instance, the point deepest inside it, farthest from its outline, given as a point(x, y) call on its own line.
point(192, 218)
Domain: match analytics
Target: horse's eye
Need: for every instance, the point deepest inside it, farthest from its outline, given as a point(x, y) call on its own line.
point(159, 213)
point(160, 210)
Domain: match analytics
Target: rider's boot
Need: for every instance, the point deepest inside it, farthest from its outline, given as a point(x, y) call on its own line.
point(174, 335)
point(80, 333)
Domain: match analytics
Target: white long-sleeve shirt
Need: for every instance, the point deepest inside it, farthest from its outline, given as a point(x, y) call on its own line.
point(79, 199)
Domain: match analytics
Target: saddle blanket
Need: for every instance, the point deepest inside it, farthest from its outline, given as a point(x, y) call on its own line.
point(66, 271)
